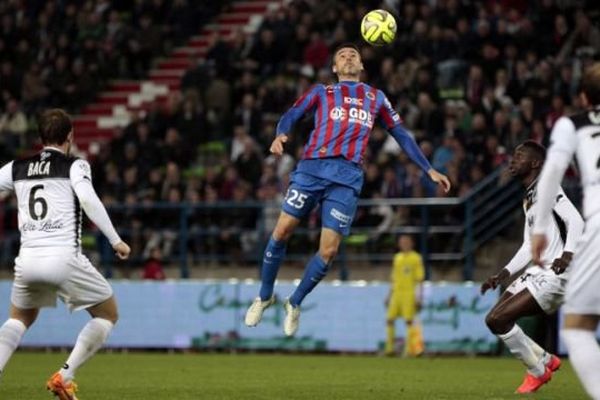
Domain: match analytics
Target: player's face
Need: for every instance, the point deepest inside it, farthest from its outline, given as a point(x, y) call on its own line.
point(347, 62)
point(405, 243)
point(521, 163)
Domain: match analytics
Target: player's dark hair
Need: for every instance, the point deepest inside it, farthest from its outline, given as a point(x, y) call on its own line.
point(537, 149)
point(345, 46)
point(55, 126)
point(590, 84)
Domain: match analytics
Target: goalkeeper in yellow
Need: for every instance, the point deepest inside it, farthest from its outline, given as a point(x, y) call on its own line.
point(404, 298)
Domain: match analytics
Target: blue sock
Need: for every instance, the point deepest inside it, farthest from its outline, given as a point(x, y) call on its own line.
point(274, 254)
point(314, 272)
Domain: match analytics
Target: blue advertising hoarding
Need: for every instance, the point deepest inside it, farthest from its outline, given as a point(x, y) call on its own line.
point(209, 314)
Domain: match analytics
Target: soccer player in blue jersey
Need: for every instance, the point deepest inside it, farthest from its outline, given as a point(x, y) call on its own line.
point(329, 174)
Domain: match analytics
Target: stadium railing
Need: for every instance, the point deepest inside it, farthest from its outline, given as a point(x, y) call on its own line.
point(447, 231)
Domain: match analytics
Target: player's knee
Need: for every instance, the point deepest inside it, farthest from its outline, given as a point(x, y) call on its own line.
point(282, 232)
point(328, 253)
point(496, 322)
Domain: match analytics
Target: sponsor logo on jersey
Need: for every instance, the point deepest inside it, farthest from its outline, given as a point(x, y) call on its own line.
point(44, 155)
point(353, 115)
point(353, 101)
point(39, 168)
point(46, 226)
point(530, 221)
point(337, 113)
point(370, 96)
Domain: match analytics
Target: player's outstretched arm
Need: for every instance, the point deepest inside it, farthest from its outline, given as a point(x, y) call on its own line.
point(393, 123)
point(304, 104)
point(413, 151)
point(81, 181)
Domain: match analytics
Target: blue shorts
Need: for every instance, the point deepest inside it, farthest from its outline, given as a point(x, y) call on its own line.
point(338, 202)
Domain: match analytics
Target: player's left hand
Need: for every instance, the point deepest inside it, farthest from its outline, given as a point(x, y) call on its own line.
point(440, 179)
point(562, 263)
point(538, 245)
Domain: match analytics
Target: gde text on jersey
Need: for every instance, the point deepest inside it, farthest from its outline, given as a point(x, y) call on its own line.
point(353, 115)
point(39, 168)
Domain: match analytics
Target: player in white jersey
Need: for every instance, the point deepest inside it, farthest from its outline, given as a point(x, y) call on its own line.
point(539, 289)
point(578, 135)
point(52, 188)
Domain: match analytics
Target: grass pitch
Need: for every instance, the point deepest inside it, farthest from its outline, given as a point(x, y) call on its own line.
point(234, 377)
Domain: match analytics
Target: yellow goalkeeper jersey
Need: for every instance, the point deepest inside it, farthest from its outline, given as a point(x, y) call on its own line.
point(407, 271)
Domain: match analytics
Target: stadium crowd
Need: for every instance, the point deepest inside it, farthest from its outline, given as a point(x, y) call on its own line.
point(470, 79)
point(61, 53)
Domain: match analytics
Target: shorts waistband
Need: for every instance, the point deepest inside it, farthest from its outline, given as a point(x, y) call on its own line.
point(48, 251)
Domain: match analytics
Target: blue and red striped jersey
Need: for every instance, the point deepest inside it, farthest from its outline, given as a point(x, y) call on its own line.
point(344, 116)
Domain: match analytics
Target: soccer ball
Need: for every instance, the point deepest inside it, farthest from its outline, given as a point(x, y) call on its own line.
point(378, 27)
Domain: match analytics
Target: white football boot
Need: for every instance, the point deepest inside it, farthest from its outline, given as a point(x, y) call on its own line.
point(256, 309)
point(292, 318)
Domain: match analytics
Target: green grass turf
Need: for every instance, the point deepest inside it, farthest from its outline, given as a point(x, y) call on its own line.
point(223, 376)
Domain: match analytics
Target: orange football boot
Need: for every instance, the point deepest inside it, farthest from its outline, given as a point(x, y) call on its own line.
point(62, 390)
point(532, 383)
point(554, 363)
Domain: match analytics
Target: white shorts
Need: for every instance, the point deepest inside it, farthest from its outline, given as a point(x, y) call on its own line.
point(43, 274)
point(583, 289)
point(547, 288)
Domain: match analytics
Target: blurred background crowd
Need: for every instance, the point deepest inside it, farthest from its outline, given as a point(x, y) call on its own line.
point(471, 79)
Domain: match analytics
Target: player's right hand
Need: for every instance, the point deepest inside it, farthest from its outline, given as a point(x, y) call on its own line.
point(493, 281)
point(122, 250)
point(277, 145)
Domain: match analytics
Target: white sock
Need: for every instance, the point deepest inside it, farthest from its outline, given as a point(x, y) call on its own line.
point(519, 345)
point(584, 354)
point(10, 336)
point(539, 351)
point(90, 339)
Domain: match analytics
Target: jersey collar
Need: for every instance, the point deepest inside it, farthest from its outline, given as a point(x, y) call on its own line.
point(52, 148)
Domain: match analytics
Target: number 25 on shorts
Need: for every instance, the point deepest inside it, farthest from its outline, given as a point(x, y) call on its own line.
point(295, 198)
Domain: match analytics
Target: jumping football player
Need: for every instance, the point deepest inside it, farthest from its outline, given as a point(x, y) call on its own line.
point(330, 174)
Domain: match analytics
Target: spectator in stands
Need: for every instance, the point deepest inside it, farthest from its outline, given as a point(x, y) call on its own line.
point(13, 126)
point(153, 268)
